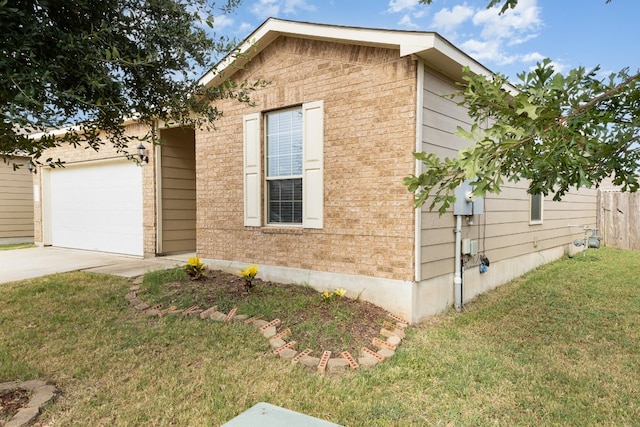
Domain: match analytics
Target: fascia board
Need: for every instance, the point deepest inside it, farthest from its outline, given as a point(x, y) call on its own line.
point(408, 41)
point(450, 60)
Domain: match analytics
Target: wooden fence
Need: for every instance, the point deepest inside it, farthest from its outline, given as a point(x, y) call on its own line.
point(619, 219)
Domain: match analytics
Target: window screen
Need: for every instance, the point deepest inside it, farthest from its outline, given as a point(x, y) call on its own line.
point(284, 166)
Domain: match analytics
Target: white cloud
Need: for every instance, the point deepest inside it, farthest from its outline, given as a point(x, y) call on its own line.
point(487, 35)
point(272, 8)
point(448, 20)
point(266, 8)
point(532, 57)
point(515, 41)
point(245, 28)
point(396, 6)
point(406, 21)
point(513, 24)
point(221, 22)
point(410, 10)
point(420, 13)
point(487, 51)
point(292, 6)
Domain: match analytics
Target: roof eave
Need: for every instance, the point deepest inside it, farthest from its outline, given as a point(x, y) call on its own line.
point(429, 46)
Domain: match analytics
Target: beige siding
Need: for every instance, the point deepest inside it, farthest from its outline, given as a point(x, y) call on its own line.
point(16, 200)
point(178, 190)
point(503, 232)
point(369, 99)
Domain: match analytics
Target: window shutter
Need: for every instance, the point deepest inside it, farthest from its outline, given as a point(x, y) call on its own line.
point(251, 160)
point(312, 156)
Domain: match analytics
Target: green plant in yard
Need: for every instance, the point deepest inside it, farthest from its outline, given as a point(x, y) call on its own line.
point(248, 274)
point(12, 246)
point(195, 268)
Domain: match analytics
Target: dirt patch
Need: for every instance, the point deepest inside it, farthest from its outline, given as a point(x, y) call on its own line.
point(11, 401)
point(339, 324)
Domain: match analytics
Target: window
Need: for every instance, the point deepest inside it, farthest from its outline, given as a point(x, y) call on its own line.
point(535, 208)
point(283, 143)
point(291, 143)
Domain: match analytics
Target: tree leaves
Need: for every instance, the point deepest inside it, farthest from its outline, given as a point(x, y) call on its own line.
point(558, 132)
point(86, 65)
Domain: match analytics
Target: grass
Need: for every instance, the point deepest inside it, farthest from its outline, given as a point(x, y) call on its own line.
point(556, 347)
point(336, 324)
point(12, 246)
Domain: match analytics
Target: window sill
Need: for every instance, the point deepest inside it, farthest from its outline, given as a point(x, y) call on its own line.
point(281, 230)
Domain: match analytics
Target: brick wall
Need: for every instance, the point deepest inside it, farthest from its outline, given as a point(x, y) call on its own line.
point(369, 99)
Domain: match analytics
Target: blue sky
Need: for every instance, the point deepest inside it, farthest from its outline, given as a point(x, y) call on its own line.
point(571, 33)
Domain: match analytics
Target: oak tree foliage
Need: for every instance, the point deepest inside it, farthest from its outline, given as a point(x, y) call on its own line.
point(87, 65)
point(557, 131)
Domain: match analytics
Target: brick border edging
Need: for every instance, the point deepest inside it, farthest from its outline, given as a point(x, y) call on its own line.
point(393, 331)
point(43, 393)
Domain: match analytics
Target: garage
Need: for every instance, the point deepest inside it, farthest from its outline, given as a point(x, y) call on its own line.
point(95, 206)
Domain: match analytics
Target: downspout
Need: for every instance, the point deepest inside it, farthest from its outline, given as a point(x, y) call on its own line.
point(158, 187)
point(419, 147)
point(417, 212)
point(457, 275)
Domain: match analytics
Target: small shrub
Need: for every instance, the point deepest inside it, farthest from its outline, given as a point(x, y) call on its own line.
point(333, 296)
point(195, 268)
point(248, 274)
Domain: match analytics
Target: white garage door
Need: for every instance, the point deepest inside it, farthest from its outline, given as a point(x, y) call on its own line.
point(97, 206)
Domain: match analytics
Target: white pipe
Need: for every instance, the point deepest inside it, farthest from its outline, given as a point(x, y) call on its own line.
point(417, 250)
point(457, 277)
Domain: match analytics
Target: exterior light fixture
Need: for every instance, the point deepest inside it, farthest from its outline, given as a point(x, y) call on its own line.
point(32, 169)
point(142, 154)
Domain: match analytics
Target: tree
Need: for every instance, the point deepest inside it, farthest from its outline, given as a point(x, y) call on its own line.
point(85, 65)
point(557, 131)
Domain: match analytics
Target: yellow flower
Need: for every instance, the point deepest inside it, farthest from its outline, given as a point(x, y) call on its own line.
point(326, 295)
point(195, 262)
point(253, 270)
point(339, 292)
point(250, 272)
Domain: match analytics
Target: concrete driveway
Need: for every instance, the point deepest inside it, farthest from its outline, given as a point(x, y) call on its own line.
point(20, 264)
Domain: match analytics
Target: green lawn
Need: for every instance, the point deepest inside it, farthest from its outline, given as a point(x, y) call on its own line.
point(12, 246)
point(559, 346)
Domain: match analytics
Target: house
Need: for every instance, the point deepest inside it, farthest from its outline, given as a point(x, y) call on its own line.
point(307, 181)
point(16, 201)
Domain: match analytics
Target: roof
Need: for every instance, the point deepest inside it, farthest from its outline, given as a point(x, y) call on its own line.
point(434, 49)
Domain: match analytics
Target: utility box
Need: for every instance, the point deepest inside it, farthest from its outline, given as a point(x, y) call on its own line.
point(469, 247)
point(473, 248)
point(466, 203)
point(466, 247)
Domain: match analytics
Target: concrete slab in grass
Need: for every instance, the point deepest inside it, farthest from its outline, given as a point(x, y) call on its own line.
point(267, 415)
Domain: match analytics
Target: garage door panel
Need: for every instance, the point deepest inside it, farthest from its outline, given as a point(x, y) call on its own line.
point(97, 207)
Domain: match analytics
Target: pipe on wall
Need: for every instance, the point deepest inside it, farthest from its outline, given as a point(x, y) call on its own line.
point(457, 275)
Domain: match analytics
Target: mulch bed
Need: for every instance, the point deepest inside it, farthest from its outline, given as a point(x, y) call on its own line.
point(11, 401)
